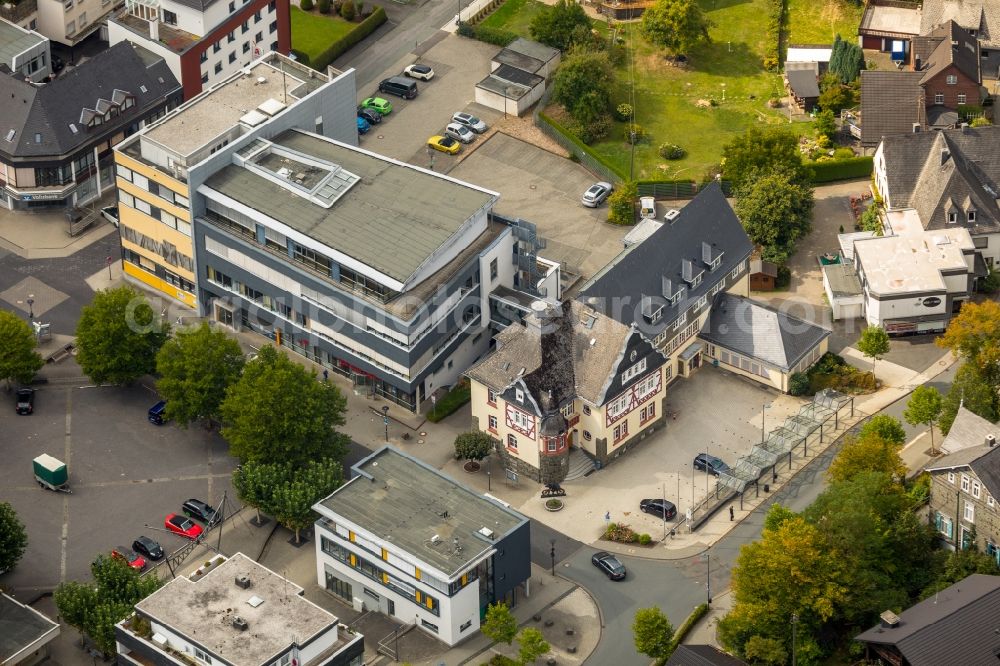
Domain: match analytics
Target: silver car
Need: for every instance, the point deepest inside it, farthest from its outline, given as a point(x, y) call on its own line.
point(596, 194)
point(459, 133)
point(470, 121)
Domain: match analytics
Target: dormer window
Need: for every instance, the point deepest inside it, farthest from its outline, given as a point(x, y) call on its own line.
point(128, 103)
point(972, 216)
point(952, 217)
point(519, 395)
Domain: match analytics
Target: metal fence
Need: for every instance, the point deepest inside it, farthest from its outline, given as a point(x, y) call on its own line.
point(581, 155)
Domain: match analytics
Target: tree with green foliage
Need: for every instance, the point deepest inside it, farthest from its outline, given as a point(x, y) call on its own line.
point(924, 408)
point(826, 124)
point(675, 25)
point(94, 608)
point(871, 219)
point(559, 25)
point(13, 537)
point(959, 565)
point(760, 151)
point(767, 651)
point(118, 336)
point(499, 625)
point(323, 6)
point(886, 427)
point(278, 412)
point(981, 121)
point(868, 453)
point(970, 390)
point(583, 84)
point(306, 5)
point(775, 208)
point(836, 56)
point(835, 98)
point(255, 484)
point(652, 632)
point(621, 203)
point(18, 359)
point(474, 445)
point(196, 367)
point(531, 645)
point(974, 334)
point(874, 344)
point(293, 500)
point(846, 60)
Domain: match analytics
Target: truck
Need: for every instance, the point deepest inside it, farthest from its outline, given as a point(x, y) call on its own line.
point(51, 473)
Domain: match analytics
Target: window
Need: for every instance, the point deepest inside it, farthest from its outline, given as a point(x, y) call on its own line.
point(965, 484)
point(586, 410)
point(975, 489)
point(943, 524)
point(256, 17)
point(647, 413)
point(493, 270)
point(231, 37)
point(272, 6)
point(493, 423)
point(970, 512)
point(491, 397)
point(951, 478)
point(587, 436)
point(273, 27)
point(428, 625)
point(258, 38)
point(512, 442)
point(972, 216)
point(245, 28)
point(519, 395)
point(216, 47)
point(621, 431)
point(204, 56)
point(246, 47)
point(170, 18)
point(951, 79)
point(202, 656)
point(218, 67)
point(232, 57)
point(68, 4)
point(636, 369)
point(939, 98)
point(989, 500)
point(961, 98)
point(204, 78)
point(126, 198)
point(71, 26)
point(552, 443)
point(702, 302)
point(124, 173)
point(465, 625)
point(232, 7)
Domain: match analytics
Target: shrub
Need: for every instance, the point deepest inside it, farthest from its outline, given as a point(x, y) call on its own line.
point(306, 5)
point(474, 445)
point(645, 539)
point(981, 121)
point(466, 30)
point(621, 204)
point(854, 167)
point(634, 133)
point(770, 63)
point(991, 283)
point(359, 7)
point(624, 111)
point(843, 153)
point(620, 532)
point(323, 6)
point(459, 394)
point(798, 383)
point(347, 10)
point(671, 151)
point(495, 36)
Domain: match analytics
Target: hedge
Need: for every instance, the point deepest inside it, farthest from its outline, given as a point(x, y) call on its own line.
point(699, 612)
point(777, 14)
point(852, 167)
point(459, 394)
point(340, 47)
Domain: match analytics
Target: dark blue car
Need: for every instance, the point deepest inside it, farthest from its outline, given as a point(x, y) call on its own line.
point(157, 413)
point(363, 125)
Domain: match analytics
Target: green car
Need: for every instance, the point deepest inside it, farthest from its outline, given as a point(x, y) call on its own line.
point(378, 104)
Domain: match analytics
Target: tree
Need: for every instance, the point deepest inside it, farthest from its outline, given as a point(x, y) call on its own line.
point(306, 5)
point(255, 483)
point(196, 366)
point(13, 537)
point(583, 84)
point(959, 565)
point(621, 203)
point(18, 359)
point(972, 391)
point(868, 453)
point(981, 121)
point(279, 412)
point(886, 427)
point(323, 6)
point(94, 608)
point(775, 209)
point(924, 408)
point(974, 334)
point(769, 651)
point(292, 502)
point(758, 151)
point(500, 625)
point(675, 25)
point(826, 124)
point(652, 632)
point(558, 25)
point(874, 344)
point(531, 645)
point(835, 98)
point(871, 218)
point(118, 336)
point(474, 445)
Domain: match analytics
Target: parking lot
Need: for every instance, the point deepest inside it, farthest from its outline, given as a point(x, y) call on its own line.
point(124, 473)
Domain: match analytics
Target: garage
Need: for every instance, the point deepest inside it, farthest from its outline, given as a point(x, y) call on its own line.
point(843, 291)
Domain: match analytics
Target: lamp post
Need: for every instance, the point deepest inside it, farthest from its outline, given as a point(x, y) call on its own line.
point(489, 473)
point(385, 420)
point(552, 554)
point(708, 577)
point(31, 303)
point(109, 260)
point(763, 431)
point(795, 622)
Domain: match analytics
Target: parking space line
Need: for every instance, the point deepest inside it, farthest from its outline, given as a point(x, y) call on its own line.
point(67, 459)
point(132, 482)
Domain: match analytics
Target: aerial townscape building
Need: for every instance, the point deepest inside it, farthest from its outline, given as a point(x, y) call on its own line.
point(25, 633)
point(24, 52)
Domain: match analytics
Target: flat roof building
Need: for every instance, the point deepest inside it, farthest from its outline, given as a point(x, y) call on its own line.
point(24, 633)
point(24, 51)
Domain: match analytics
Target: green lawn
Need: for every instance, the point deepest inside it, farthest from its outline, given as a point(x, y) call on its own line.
point(818, 21)
point(666, 97)
point(514, 15)
point(313, 33)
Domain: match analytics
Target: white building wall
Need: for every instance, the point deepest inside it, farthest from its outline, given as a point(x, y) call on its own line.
point(56, 21)
point(212, 19)
point(991, 251)
point(957, 284)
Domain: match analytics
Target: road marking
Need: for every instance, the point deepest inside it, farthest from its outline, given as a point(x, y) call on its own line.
point(67, 459)
point(132, 482)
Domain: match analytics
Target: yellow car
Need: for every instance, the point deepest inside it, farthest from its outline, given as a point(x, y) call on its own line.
point(445, 144)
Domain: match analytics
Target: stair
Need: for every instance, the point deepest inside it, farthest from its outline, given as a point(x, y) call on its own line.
point(580, 464)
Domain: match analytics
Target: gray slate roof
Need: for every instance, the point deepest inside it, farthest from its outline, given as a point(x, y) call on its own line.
point(891, 102)
point(955, 626)
point(968, 430)
point(533, 49)
point(50, 109)
point(702, 655)
point(765, 267)
point(934, 172)
point(980, 15)
point(402, 499)
point(982, 459)
point(14, 41)
point(803, 83)
point(618, 289)
point(758, 331)
point(955, 46)
point(843, 279)
point(20, 626)
point(515, 75)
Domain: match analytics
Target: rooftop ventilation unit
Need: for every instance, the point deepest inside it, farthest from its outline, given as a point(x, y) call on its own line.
point(889, 619)
point(991, 440)
point(243, 582)
point(240, 624)
point(436, 539)
point(254, 601)
point(487, 532)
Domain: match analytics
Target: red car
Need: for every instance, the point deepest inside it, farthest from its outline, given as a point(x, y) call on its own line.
point(182, 525)
point(130, 557)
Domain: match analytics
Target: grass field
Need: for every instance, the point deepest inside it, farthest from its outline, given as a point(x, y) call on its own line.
point(666, 97)
point(514, 15)
point(818, 21)
point(313, 33)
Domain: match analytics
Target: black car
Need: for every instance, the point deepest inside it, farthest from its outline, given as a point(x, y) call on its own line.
point(194, 508)
point(25, 401)
point(147, 547)
point(658, 507)
point(609, 564)
point(371, 115)
point(714, 465)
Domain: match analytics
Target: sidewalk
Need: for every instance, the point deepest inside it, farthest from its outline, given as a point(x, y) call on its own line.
point(46, 235)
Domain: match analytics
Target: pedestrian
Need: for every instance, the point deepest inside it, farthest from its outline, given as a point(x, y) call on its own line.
point(326, 374)
point(730, 514)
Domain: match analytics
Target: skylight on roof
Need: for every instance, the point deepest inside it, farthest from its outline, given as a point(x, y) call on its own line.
point(320, 181)
point(10, 135)
point(73, 128)
point(143, 88)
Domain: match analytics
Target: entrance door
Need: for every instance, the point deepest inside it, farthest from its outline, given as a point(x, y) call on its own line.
point(391, 607)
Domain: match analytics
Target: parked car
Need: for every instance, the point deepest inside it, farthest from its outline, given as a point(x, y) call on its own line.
point(157, 414)
point(371, 115)
point(470, 121)
point(195, 508)
point(363, 125)
point(147, 547)
point(665, 509)
point(25, 401)
point(129, 557)
point(399, 86)
point(609, 564)
point(110, 214)
point(422, 72)
point(647, 208)
point(445, 144)
point(715, 465)
point(460, 132)
point(381, 106)
point(596, 194)
point(182, 526)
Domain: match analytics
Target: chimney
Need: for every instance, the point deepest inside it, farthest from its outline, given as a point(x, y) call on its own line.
point(668, 287)
point(647, 307)
point(889, 620)
point(916, 64)
point(154, 29)
point(991, 440)
point(945, 154)
point(916, 127)
point(687, 270)
point(706, 252)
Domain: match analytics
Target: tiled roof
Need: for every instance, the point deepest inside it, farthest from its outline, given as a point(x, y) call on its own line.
point(891, 102)
point(955, 47)
point(955, 626)
point(968, 430)
point(765, 267)
point(803, 83)
point(980, 15)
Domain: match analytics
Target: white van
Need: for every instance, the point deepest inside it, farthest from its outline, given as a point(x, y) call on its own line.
point(647, 208)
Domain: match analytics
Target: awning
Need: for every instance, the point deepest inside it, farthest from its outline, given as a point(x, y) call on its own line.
point(691, 351)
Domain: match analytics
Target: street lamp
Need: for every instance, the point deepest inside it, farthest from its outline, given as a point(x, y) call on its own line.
point(763, 432)
point(552, 554)
point(795, 622)
point(31, 303)
point(708, 577)
point(385, 420)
